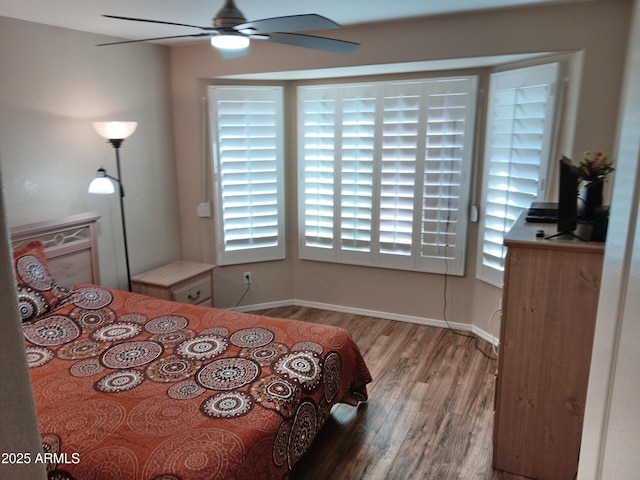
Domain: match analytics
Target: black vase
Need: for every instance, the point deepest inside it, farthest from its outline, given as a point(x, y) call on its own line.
point(590, 199)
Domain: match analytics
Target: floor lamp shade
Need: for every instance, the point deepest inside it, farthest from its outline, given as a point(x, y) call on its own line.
point(115, 130)
point(102, 184)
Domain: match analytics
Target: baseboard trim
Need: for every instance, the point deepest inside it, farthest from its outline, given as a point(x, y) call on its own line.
point(480, 333)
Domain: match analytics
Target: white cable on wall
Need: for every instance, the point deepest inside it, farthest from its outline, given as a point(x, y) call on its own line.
point(204, 208)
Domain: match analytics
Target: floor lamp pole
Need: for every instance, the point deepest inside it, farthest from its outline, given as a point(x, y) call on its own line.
point(115, 133)
point(124, 223)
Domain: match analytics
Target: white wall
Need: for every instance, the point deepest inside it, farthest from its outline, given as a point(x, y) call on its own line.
point(610, 441)
point(54, 83)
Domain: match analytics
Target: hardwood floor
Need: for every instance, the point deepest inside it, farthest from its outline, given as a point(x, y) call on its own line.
point(430, 409)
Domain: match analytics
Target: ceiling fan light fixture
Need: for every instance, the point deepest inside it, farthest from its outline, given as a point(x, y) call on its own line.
point(229, 41)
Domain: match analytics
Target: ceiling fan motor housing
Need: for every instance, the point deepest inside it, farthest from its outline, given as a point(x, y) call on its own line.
point(228, 17)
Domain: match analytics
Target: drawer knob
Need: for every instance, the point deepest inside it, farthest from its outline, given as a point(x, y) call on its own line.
point(194, 297)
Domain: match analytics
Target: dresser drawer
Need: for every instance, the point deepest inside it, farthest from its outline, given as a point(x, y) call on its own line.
point(197, 291)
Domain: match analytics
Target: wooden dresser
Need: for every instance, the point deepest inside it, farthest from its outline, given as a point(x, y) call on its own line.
point(549, 305)
point(182, 281)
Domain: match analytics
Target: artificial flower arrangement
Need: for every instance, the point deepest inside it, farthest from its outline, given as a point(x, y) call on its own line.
point(596, 165)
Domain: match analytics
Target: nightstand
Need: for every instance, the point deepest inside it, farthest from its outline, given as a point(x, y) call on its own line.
point(182, 281)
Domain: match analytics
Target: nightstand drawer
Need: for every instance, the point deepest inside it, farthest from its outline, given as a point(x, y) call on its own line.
point(181, 281)
point(195, 293)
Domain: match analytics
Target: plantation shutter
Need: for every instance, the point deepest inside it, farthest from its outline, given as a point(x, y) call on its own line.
point(517, 154)
point(399, 187)
point(246, 133)
point(356, 173)
point(447, 173)
point(317, 171)
point(384, 173)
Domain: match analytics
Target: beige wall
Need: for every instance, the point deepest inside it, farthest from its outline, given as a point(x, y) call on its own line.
point(595, 90)
point(54, 83)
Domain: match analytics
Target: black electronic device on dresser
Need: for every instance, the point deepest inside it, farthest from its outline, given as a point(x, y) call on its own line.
point(564, 213)
point(542, 212)
point(568, 199)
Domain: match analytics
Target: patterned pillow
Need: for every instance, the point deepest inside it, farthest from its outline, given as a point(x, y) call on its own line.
point(38, 293)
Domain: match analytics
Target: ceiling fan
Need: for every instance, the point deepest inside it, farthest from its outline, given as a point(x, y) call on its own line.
point(231, 32)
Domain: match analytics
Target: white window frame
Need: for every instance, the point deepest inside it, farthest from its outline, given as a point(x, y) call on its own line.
point(514, 142)
point(248, 172)
point(327, 140)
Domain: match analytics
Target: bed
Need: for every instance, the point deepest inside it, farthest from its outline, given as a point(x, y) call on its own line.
point(132, 387)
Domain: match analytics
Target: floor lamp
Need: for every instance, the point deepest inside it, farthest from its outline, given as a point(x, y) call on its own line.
point(115, 133)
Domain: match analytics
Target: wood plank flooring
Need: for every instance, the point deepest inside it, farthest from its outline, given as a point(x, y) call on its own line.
point(430, 409)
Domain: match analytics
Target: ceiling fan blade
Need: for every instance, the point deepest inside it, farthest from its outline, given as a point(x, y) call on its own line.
point(208, 29)
point(151, 39)
point(310, 41)
point(291, 23)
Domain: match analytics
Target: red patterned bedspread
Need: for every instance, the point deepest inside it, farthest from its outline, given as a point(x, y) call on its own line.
point(132, 387)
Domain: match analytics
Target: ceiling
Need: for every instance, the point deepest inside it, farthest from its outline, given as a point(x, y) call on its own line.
point(85, 15)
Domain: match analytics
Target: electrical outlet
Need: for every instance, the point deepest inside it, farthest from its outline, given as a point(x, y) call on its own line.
point(246, 278)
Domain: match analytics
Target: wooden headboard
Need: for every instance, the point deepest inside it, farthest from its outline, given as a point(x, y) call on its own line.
point(71, 246)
